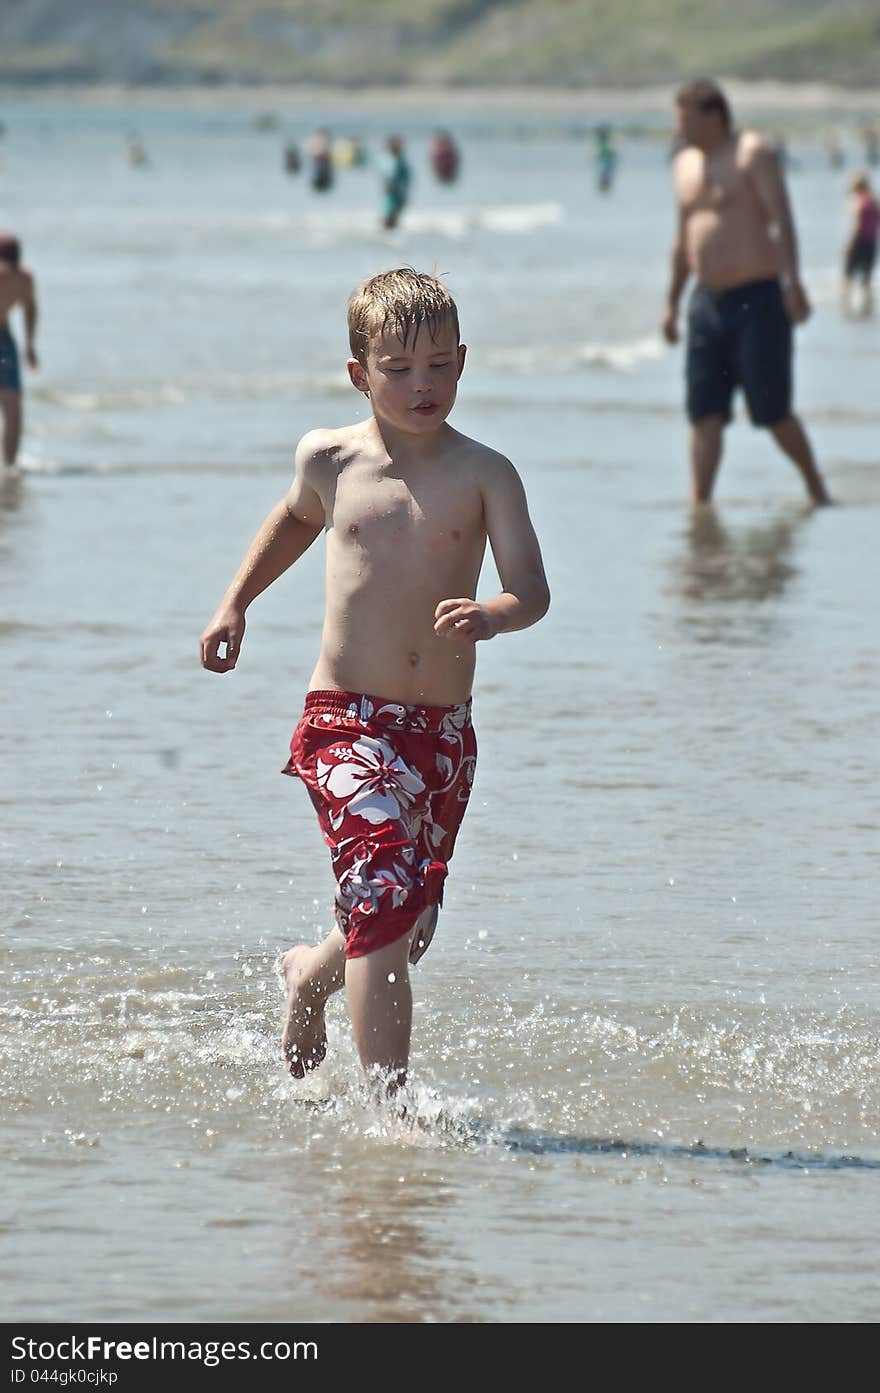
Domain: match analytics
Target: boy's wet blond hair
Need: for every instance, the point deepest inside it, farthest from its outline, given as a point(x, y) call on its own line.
point(402, 300)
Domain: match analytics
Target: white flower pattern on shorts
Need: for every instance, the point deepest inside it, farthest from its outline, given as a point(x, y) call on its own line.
point(390, 784)
point(369, 781)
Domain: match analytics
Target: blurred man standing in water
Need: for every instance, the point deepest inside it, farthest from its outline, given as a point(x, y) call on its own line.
point(736, 236)
point(16, 288)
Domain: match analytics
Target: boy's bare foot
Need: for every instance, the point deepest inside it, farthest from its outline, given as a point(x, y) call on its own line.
point(304, 1042)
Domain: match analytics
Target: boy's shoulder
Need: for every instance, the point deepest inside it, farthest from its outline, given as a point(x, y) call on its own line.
point(483, 459)
point(328, 446)
point(323, 439)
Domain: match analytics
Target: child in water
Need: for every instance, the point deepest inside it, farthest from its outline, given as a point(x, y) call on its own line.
point(385, 746)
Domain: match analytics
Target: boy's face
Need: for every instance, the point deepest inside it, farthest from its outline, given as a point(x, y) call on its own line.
point(411, 385)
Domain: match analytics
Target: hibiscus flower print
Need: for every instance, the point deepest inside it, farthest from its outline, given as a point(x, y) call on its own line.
point(363, 887)
point(371, 782)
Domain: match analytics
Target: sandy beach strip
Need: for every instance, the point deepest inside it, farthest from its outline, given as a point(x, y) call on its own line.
point(747, 98)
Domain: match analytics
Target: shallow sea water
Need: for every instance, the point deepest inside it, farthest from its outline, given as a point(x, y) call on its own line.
point(645, 1066)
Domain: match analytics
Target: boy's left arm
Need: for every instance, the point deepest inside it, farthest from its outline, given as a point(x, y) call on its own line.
point(525, 595)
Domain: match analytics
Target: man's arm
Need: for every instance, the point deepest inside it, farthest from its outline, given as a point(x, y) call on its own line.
point(525, 595)
point(679, 275)
point(287, 532)
point(855, 209)
point(29, 309)
point(763, 168)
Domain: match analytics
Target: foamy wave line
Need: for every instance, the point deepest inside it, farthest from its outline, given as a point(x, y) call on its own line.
point(56, 468)
point(508, 219)
point(124, 397)
point(501, 217)
point(219, 389)
point(622, 357)
point(333, 223)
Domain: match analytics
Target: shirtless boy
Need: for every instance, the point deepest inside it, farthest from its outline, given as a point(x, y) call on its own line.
point(736, 236)
point(385, 746)
point(16, 288)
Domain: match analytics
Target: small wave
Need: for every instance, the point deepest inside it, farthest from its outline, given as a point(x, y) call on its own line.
point(536, 358)
point(39, 464)
point(329, 225)
point(119, 399)
point(621, 356)
point(839, 415)
point(62, 469)
point(254, 388)
point(520, 217)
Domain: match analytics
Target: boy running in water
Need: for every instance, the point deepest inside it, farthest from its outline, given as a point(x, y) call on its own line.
point(385, 745)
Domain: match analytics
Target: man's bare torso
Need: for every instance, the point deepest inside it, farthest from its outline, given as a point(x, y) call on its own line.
point(399, 540)
point(15, 287)
point(726, 232)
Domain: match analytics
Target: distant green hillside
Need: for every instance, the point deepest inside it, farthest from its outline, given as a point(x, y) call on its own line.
point(362, 43)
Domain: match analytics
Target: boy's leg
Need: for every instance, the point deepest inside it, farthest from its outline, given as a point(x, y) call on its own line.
point(380, 1006)
point(310, 975)
point(791, 438)
point(10, 407)
point(706, 442)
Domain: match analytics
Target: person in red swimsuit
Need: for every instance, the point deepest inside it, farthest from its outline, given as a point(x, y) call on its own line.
point(861, 250)
point(385, 745)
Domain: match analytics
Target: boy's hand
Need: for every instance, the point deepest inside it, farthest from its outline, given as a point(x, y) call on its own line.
point(463, 619)
point(226, 627)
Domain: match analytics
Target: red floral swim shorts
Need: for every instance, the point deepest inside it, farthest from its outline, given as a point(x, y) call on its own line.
point(390, 785)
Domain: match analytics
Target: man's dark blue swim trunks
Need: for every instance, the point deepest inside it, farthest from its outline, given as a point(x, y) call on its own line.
point(10, 373)
point(739, 338)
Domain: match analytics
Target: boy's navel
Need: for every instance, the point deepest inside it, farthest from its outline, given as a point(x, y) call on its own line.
point(414, 659)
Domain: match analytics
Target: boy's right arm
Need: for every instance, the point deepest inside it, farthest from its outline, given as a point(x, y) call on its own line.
point(287, 532)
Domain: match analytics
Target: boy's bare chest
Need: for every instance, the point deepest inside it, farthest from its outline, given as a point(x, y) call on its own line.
point(386, 512)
